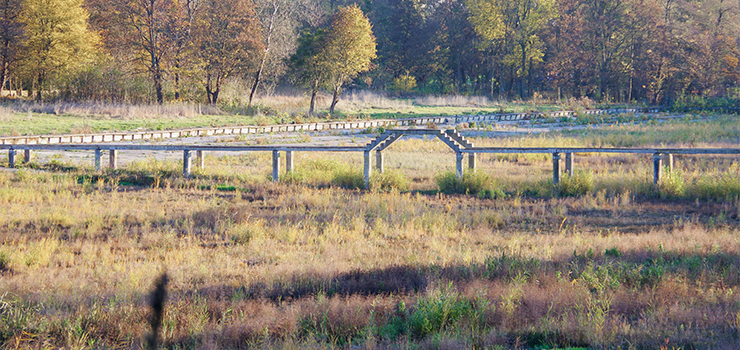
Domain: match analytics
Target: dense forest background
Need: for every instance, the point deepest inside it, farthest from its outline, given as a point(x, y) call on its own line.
point(146, 51)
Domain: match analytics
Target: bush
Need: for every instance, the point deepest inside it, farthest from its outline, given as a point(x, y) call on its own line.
point(326, 172)
point(438, 311)
point(348, 178)
point(389, 180)
point(475, 182)
point(725, 186)
point(578, 184)
point(671, 185)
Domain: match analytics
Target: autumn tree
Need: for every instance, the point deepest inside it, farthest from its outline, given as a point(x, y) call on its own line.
point(280, 21)
point(147, 33)
point(57, 40)
point(179, 27)
point(11, 35)
point(330, 57)
point(516, 23)
point(227, 41)
point(349, 48)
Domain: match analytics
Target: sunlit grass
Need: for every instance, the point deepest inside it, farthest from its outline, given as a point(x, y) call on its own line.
point(606, 259)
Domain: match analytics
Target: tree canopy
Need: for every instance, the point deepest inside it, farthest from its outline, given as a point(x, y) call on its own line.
point(649, 51)
point(330, 57)
point(57, 40)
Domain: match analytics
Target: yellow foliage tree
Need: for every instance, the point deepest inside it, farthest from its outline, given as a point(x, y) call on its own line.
point(350, 47)
point(515, 23)
point(57, 40)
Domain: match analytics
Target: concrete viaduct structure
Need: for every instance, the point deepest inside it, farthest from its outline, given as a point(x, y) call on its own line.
point(451, 138)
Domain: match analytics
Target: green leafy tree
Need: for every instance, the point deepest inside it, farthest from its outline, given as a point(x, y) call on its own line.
point(57, 40)
point(308, 65)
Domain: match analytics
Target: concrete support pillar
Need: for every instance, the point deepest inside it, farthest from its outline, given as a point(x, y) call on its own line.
point(199, 159)
point(275, 165)
point(11, 158)
point(28, 156)
point(556, 168)
point(186, 163)
point(569, 168)
point(670, 162)
point(379, 161)
point(472, 161)
point(657, 167)
point(98, 156)
point(459, 165)
point(289, 162)
point(113, 159)
point(368, 170)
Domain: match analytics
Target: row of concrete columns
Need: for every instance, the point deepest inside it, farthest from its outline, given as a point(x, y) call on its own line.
point(27, 157)
point(367, 174)
point(276, 164)
point(187, 162)
point(569, 166)
point(112, 159)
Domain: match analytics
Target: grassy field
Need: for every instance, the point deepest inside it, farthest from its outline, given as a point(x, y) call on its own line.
point(500, 260)
point(24, 118)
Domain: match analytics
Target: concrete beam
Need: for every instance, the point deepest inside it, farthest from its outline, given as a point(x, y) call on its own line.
point(275, 166)
point(368, 170)
point(288, 162)
point(186, 163)
point(379, 161)
point(199, 158)
point(569, 168)
point(98, 156)
point(113, 159)
point(11, 158)
point(458, 165)
point(657, 167)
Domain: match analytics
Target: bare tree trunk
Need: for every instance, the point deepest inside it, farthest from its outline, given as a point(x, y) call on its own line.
point(314, 91)
point(335, 98)
point(4, 77)
point(213, 89)
point(258, 75)
point(40, 82)
point(177, 80)
point(523, 92)
point(158, 87)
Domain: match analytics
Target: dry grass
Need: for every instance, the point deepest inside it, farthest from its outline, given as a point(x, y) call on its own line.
point(310, 264)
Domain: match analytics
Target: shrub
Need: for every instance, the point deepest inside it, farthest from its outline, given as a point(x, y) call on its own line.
point(671, 185)
point(326, 172)
point(389, 180)
point(4, 260)
point(511, 266)
point(438, 311)
point(725, 186)
point(578, 184)
point(471, 183)
point(348, 178)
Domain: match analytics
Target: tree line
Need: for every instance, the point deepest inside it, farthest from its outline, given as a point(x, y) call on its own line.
point(651, 51)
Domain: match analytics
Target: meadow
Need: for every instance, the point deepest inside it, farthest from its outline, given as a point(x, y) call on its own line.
point(501, 259)
point(19, 118)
